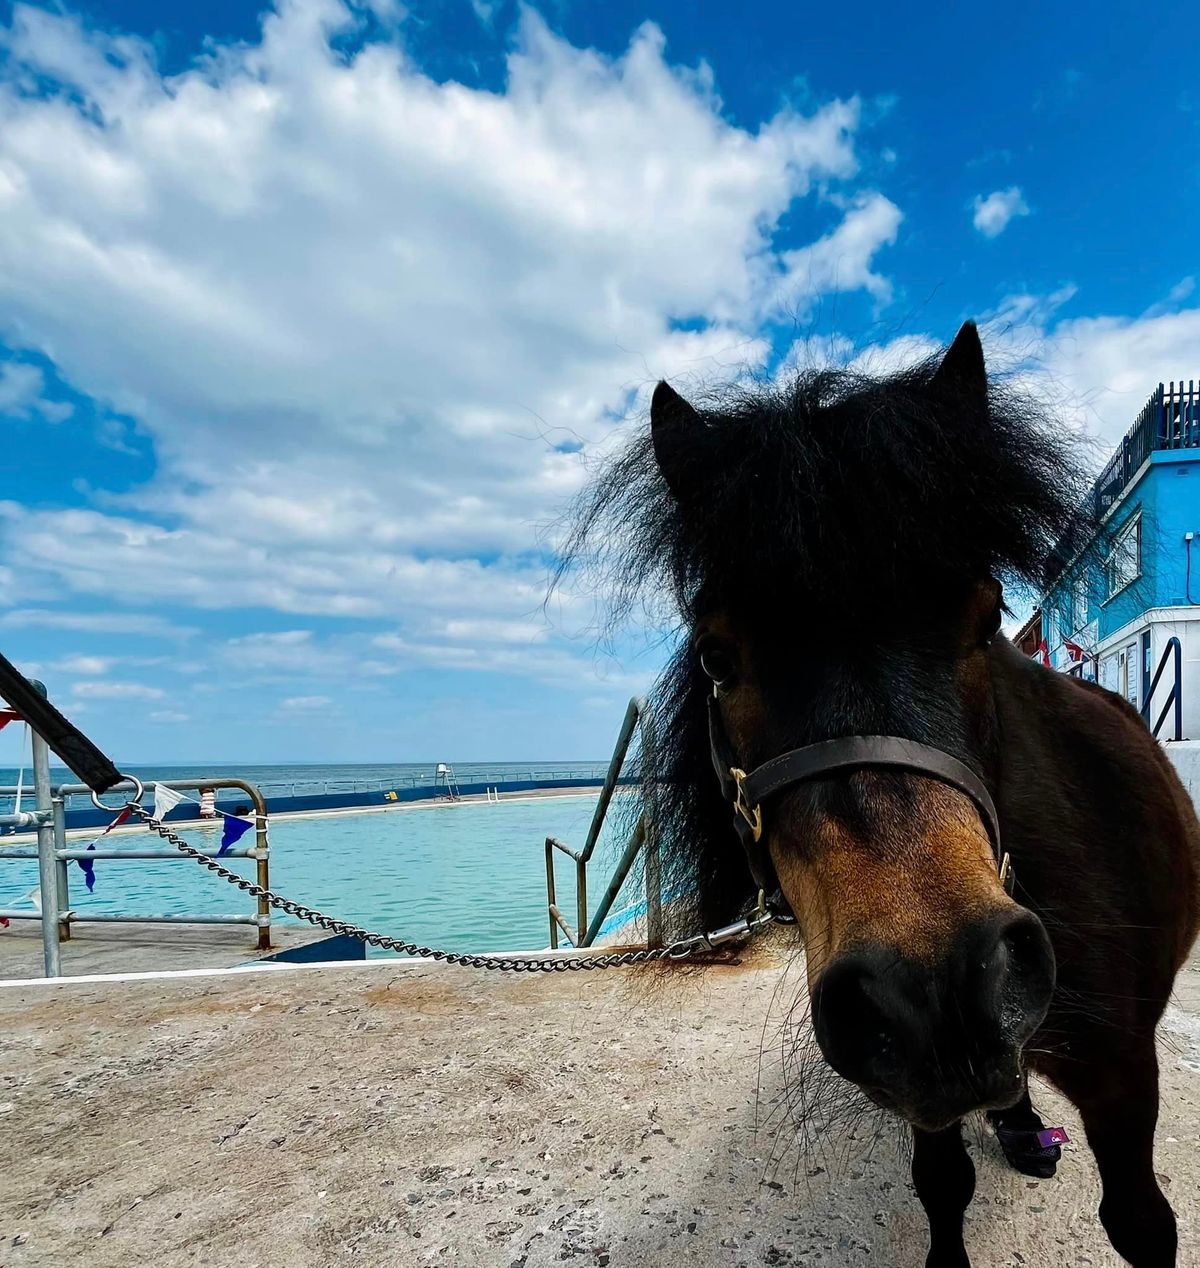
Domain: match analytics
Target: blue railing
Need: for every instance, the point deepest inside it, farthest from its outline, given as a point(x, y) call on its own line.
point(1170, 419)
point(1172, 656)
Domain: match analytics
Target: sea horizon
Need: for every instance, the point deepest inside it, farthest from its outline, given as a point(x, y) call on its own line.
point(268, 775)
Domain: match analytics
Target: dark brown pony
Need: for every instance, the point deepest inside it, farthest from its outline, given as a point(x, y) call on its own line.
point(833, 548)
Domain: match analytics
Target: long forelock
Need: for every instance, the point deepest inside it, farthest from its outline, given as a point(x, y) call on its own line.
point(840, 489)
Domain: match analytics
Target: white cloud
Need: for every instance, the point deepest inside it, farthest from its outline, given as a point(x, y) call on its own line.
point(1104, 368)
point(358, 310)
point(304, 704)
point(100, 690)
point(89, 666)
point(22, 394)
point(1093, 373)
point(145, 624)
point(842, 260)
point(168, 715)
point(993, 213)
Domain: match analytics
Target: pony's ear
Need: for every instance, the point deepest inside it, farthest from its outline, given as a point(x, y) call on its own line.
point(962, 371)
point(673, 427)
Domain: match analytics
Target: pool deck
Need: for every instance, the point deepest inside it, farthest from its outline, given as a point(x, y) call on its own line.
point(407, 1115)
point(101, 947)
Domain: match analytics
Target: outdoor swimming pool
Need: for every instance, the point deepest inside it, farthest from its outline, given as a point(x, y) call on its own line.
point(468, 876)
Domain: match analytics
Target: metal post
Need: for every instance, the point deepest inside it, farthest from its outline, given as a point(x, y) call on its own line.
point(47, 862)
point(649, 824)
point(581, 920)
point(262, 869)
point(60, 843)
point(551, 897)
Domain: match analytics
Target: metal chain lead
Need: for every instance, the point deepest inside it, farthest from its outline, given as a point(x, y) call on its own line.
point(682, 950)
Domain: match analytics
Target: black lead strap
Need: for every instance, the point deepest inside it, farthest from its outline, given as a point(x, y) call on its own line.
point(66, 741)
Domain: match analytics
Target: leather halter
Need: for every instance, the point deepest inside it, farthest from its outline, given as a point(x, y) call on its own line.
point(747, 793)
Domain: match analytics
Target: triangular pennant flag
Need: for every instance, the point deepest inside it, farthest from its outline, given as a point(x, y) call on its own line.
point(7, 716)
point(86, 866)
point(235, 829)
point(165, 800)
point(89, 869)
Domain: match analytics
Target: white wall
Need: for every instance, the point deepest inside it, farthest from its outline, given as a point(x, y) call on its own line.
point(1185, 757)
point(1183, 623)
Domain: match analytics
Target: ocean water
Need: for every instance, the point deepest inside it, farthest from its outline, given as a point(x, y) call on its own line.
point(282, 780)
point(465, 876)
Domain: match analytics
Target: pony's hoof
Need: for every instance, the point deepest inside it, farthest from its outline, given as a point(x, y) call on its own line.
point(1030, 1150)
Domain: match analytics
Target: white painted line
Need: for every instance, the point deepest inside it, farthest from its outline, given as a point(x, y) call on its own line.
point(265, 966)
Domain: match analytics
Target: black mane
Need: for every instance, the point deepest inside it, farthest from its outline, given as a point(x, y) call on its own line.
point(836, 495)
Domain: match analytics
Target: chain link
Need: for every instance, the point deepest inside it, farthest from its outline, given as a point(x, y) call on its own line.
point(682, 950)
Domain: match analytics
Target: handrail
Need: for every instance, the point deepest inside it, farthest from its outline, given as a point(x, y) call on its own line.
point(1173, 652)
point(56, 913)
point(585, 933)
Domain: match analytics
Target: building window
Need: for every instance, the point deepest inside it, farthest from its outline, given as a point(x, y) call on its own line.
point(1079, 602)
point(1124, 564)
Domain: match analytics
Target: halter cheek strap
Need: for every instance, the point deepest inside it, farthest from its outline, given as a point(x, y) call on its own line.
point(746, 793)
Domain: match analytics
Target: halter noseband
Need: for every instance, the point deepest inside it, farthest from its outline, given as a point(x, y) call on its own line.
point(746, 793)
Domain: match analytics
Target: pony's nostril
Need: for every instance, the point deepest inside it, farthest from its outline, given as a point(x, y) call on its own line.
point(853, 1028)
point(1016, 973)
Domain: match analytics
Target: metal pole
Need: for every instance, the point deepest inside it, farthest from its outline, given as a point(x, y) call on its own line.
point(60, 843)
point(262, 869)
point(581, 920)
point(551, 899)
point(47, 861)
point(649, 825)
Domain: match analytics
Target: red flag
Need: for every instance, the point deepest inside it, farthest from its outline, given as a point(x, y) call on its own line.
point(7, 716)
point(1075, 652)
point(1045, 654)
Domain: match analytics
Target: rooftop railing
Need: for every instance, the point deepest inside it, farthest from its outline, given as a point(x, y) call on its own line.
point(1170, 419)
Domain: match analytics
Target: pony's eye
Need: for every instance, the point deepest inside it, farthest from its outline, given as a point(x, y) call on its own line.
point(993, 626)
point(716, 663)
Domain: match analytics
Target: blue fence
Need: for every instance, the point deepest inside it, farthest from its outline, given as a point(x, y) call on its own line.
point(89, 817)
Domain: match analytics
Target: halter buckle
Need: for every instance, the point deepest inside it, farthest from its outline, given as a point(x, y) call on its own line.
point(1006, 874)
point(751, 814)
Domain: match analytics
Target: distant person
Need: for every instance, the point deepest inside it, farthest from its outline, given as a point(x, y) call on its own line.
point(208, 803)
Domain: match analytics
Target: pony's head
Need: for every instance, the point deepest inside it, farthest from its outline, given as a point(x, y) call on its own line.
point(833, 547)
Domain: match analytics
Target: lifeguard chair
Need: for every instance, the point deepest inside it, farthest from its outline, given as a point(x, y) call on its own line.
point(445, 775)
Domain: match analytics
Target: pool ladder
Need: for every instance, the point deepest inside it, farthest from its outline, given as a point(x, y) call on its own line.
point(642, 838)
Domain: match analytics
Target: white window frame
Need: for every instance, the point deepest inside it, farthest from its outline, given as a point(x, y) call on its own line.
point(1132, 528)
point(1079, 602)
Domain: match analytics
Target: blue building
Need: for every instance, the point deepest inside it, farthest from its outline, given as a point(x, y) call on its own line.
point(1126, 610)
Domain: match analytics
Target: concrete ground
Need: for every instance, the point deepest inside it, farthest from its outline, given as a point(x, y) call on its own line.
point(415, 1115)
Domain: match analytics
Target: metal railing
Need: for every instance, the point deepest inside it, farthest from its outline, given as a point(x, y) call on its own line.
point(1170, 419)
point(1173, 656)
point(643, 838)
point(53, 856)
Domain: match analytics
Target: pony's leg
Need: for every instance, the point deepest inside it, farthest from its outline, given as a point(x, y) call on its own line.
point(1119, 1115)
point(944, 1178)
point(1016, 1129)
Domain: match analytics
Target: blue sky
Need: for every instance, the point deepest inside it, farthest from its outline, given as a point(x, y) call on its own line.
point(311, 316)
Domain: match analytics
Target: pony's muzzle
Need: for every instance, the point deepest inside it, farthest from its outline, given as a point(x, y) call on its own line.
point(936, 1041)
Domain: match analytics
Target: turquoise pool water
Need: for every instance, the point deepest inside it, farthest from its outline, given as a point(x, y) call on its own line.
point(468, 877)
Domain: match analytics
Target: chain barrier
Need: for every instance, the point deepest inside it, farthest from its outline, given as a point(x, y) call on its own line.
point(683, 950)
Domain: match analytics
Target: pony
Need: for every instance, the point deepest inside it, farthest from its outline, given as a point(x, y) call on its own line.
point(834, 548)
